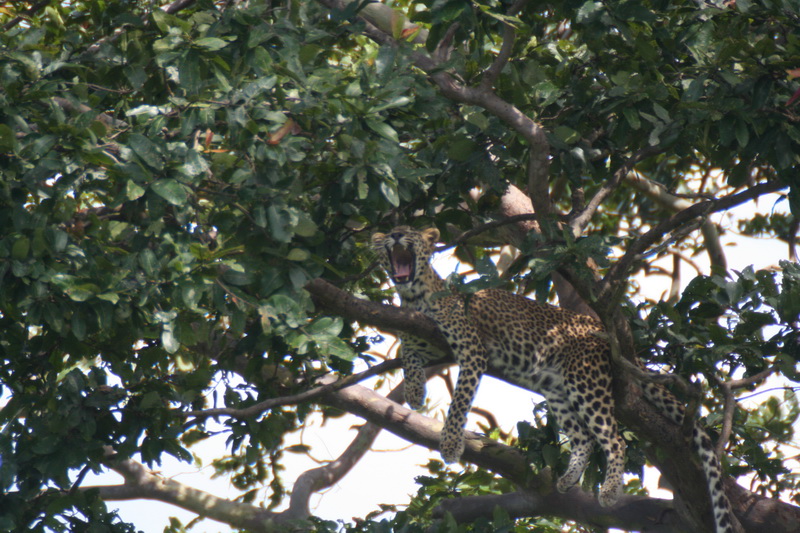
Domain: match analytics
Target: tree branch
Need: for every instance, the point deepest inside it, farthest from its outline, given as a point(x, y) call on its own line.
point(509, 36)
point(674, 203)
point(385, 317)
point(141, 483)
point(581, 220)
point(316, 479)
point(482, 96)
point(729, 406)
point(639, 513)
point(621, 269)
point(28, 13)
point(305, 396)
point(170, 8)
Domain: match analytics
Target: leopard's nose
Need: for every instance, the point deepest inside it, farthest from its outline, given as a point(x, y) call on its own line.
point(396, 236)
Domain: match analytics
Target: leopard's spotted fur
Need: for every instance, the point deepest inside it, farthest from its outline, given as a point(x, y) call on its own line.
point(555, 352)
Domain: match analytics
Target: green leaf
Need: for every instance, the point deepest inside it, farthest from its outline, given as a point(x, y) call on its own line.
point(661, 113)
point(171, 191)
point(8, 141)
point(742, 133)
point(567, 134)
point(82, 292)
point(146, 150)
point(133, 191)
point(168, 339)
point(383, 129)
point(148, 262)
point(389, 191)
point(298, 254)
point(21, 247)
point(211, 43)
point(78, 324)
point(304, 226)
point(462, 148)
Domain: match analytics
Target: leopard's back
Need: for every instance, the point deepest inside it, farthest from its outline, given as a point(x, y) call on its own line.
point(536, 344)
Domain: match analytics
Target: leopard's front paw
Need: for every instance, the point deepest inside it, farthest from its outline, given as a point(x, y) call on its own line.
point(566, 482)
point(452, 446)
point(610, 493)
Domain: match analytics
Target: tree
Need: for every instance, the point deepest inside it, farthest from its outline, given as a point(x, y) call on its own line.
point(188, 193)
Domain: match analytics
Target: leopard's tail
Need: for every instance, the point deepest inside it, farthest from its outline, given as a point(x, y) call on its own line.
point(724, 520)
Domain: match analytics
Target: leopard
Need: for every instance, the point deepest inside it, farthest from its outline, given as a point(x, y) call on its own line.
point(561, 354)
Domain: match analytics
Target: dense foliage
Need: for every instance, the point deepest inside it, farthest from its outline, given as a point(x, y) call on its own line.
point(173, 176)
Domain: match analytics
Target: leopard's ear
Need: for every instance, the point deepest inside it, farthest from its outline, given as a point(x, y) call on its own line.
point(431, 235)
point(377, 239)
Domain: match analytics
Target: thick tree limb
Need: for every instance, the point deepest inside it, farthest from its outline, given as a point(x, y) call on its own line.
point(638, 513)
point(503, 460)
point(516, 203)
point(347, 306)
point(140, 483)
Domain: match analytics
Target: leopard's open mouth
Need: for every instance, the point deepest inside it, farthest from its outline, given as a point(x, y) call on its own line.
point(403, 261)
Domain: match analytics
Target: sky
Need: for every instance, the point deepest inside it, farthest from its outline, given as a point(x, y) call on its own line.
point(394, 458)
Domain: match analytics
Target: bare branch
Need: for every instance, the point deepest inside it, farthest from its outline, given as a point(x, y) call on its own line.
point(581, 220)
point(414, 427)
point(316, 479)
point(620, 270)
point(677, 203)
point(729, 406)
point(107, 120)
point(751, 380)
point(141, 483)
point(260, 407)
point(477, 230)
point(28, 13)
point(509, 36)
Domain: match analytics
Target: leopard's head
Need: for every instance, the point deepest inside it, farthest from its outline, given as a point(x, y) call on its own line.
point(405, 252)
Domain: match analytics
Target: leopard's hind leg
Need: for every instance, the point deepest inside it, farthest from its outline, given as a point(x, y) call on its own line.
point(595, 407)
point(581, 442)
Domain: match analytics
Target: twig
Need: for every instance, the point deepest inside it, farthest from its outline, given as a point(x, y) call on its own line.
point(729, 406)
point(171, 9)
point(467, 235)
point(579, 223)
point(316, 392)
point(28, 13)
point(509, 37)
point(676, 202)
point(620, 270)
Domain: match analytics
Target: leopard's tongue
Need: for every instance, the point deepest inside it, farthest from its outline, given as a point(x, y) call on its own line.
point(402, 263)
